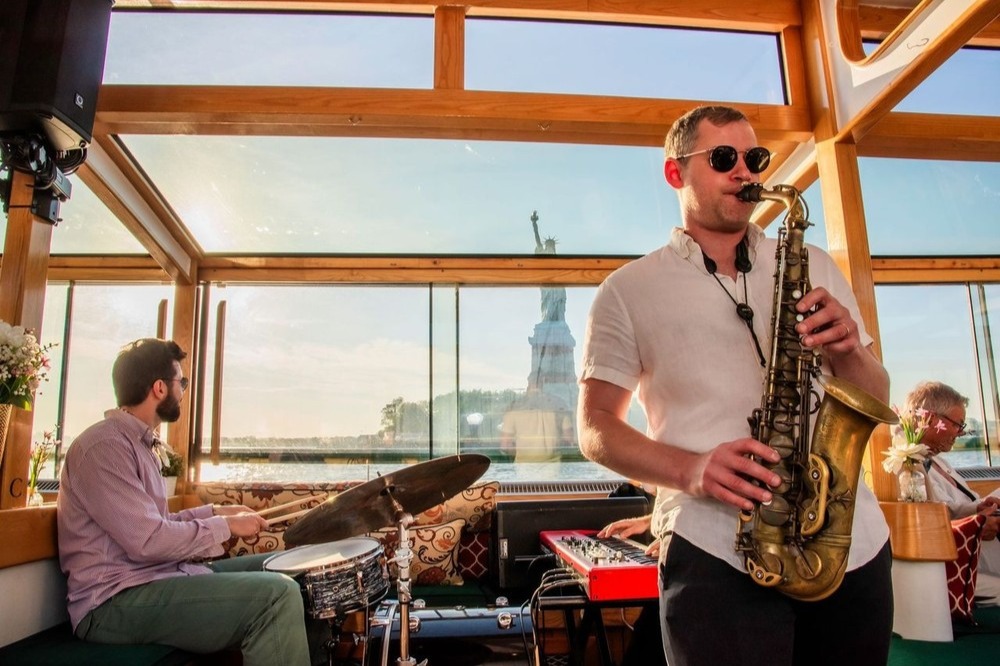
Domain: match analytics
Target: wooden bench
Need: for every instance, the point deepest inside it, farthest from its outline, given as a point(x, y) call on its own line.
point(57, 646)
point(34, 625)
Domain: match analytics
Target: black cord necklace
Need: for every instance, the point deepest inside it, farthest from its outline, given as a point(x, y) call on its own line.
point(743, 310)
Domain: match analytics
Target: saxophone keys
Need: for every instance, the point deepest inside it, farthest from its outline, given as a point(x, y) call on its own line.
point(808, 564)
point(812, 514)
point(783, 444)
point(762, 574)
point(776, 513)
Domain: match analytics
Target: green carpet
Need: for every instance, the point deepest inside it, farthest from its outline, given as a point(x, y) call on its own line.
point(973, 646)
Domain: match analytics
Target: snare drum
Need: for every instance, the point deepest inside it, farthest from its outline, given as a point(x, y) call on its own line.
point(338, 577)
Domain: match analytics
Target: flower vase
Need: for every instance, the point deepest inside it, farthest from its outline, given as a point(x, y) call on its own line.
point(171, 482)
point(35, 498)
point(912, 482)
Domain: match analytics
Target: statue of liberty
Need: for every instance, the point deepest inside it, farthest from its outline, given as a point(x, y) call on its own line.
point(553, 373)
point(553, 298)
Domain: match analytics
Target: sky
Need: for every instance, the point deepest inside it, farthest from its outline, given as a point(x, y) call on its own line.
point(286, 194)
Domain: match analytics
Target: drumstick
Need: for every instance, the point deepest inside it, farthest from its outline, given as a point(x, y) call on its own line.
point(281, 519)
point(288, 505)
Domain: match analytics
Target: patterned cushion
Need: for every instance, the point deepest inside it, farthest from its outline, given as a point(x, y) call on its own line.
point(260, 496)
point(474, 555)
point(435, 552)
point(474, 505)
point(467, 559)
point(962, 572)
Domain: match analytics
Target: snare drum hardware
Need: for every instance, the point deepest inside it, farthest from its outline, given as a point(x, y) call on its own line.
point(336, 578)
point(350, 574)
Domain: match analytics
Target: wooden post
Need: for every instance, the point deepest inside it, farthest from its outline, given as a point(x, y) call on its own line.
point(22, 299)
point(185, 299)
point(847, 239)
point(449, 48)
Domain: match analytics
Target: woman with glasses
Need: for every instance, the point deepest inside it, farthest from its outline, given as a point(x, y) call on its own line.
point(945, 409)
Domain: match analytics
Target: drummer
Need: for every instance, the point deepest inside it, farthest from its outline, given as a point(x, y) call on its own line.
point(135, 571)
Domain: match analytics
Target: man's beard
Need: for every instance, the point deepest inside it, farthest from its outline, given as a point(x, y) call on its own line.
point(169, 409)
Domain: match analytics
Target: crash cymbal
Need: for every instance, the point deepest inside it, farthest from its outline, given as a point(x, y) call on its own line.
point(374, 504)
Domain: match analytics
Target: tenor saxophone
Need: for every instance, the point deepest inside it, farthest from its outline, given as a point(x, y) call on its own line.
point(800, 540)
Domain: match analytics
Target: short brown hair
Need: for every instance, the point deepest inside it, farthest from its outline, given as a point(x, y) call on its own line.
point(684, 132)
point(140, 364)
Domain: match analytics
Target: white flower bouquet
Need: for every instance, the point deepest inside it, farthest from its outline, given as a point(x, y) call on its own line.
point(23, 365)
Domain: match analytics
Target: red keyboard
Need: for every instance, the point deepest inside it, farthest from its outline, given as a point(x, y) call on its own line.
point(613, 569)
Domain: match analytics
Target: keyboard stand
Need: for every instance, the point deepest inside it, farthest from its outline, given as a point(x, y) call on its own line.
point(591, 623)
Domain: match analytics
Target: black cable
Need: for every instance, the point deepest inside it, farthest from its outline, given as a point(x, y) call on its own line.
point(743, 310)
point(31, 154)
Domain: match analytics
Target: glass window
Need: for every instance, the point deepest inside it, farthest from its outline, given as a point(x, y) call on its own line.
point(87, 227)
point(927, 335)
point(261, 49)
point(317, 374)
point(816, 234)
point(986, 314)
point(518, 368)
point(334, 382)
point(410, 196)
point(627, 60)
point(46, 408)
point(957, 86)
point(104, 318)
point(930, 207)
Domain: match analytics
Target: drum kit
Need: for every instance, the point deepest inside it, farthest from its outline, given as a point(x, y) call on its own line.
point(341, 572)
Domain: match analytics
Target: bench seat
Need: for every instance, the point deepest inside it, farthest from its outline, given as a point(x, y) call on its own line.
point(58, 646)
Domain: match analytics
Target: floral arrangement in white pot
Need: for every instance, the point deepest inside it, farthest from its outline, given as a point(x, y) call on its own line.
point(170, 464)
point(906, 456)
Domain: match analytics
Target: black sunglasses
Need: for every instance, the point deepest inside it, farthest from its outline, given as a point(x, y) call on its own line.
point(723, 158)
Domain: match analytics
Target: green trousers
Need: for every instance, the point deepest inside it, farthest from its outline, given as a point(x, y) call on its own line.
point(240, 605)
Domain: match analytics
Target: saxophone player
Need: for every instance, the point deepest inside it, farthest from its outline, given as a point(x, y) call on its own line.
point(686, 326)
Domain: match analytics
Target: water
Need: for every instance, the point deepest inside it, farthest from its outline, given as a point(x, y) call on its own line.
point(292, 472)
point(966, 458)
point(265, 472)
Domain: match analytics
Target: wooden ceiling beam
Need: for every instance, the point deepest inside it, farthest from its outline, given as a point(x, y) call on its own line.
point(928, 136)
point(867, 87)
point(112, 177)
point(770, 16)
point(125, 109)
point(907, 270)
point(497, 270)
point(878, 22)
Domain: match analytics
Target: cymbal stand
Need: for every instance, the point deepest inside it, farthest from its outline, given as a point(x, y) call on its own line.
point(403, 592)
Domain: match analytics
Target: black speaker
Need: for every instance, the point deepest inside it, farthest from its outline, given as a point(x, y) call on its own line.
point(515, 549)
point(51, 66)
